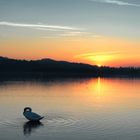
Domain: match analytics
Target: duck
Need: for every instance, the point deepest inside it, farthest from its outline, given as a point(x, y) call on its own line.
point(31, 116)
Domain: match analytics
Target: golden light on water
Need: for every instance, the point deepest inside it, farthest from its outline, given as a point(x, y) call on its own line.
point(99, 84)
point(75, 95)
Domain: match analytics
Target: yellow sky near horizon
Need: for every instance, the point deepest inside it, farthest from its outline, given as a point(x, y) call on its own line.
point(101, 50)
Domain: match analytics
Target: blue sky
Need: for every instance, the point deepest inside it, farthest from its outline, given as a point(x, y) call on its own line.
point(29, 18)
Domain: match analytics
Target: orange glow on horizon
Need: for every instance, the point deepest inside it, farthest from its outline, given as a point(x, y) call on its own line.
point(98, 58)
point(101, 51)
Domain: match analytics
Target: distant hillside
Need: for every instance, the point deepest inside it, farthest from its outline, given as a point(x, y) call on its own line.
point(43, 65)
point(61, 68)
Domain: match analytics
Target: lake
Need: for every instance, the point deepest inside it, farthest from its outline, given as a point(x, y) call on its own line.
point(73, 109)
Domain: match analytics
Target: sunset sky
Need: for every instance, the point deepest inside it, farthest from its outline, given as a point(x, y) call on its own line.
point(98, 32)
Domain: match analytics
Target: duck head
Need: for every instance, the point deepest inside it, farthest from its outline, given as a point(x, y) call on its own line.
point(27, 109)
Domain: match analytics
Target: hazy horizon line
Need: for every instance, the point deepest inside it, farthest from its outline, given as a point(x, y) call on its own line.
point(18, 59)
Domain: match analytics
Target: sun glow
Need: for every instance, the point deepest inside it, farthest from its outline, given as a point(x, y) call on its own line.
point(101, 52)
point(98, 59)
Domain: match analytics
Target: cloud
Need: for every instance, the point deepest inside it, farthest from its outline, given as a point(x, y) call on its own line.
point(117, 2)
point(60, 31)
point(37, 26)
point(79, 34)
point(71, 34)
point(99, 53)
point(47, 29)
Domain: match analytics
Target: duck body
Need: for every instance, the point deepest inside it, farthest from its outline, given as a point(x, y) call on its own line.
point(31, 115)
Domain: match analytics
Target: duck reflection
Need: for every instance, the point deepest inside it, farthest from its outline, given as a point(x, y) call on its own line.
point(31, 126)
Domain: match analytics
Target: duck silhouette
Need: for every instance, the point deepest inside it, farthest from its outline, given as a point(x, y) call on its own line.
point(31, 116)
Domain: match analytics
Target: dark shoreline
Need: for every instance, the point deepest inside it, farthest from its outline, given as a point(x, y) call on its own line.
point(6, 76)
point(48, 68)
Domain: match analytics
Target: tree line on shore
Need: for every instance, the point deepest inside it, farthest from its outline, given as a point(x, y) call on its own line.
point(61, 68)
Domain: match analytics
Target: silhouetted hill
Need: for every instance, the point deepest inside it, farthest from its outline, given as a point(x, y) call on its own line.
point(60, 68)
point(43, 65)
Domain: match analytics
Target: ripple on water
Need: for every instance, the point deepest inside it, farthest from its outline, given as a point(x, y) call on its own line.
point(93, 126)
point(48, 121)
point(15, 123)
point(59, 121)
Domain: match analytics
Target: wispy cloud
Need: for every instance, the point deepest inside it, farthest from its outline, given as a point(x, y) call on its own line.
point(60, 31)
point(37, 26)
point(47, 29)
point(99, 53)
point(71, 34)
point(79, 34)
point(117, 2)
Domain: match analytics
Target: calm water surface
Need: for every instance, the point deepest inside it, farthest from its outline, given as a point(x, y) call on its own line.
point(74, 109)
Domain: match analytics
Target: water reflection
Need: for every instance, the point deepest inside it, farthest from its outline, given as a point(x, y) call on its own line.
point(78, 109)
point(30, 127)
